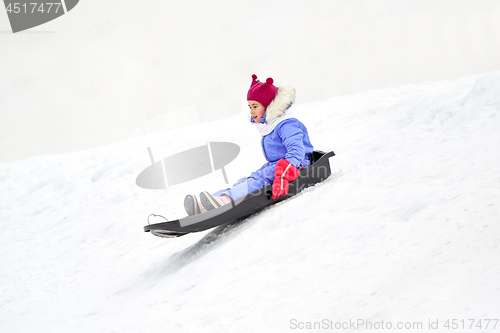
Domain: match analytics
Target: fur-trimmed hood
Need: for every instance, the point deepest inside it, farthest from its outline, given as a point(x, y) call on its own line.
point(283, 99)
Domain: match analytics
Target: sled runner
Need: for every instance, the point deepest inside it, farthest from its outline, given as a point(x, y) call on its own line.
point(318, 171)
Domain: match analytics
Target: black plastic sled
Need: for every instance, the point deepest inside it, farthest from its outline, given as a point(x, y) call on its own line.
point(252, 203)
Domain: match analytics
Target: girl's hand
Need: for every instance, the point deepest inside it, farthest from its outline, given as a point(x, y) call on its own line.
point(284, 172)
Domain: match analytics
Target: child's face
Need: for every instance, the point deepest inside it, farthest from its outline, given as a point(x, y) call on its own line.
point(257, 110)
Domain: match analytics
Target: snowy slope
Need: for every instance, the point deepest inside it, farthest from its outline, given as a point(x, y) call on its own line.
point(406, 228)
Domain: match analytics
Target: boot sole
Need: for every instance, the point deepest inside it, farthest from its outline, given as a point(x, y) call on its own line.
point(208, 202)
point(191, 205)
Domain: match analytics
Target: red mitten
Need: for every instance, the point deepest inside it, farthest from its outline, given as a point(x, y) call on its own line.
point(285, 172)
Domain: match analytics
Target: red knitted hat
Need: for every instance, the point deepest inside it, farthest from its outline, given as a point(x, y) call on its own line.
point(263, 93)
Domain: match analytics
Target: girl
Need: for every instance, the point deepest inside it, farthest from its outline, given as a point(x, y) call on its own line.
point(285, 144)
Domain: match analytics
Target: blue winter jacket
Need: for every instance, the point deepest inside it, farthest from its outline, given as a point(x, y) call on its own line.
point(288, 140)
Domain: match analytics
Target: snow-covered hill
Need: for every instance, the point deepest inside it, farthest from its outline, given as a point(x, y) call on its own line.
point(406, 229)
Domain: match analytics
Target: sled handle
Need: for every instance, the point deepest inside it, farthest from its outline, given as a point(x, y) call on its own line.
point(155, 215)
point(269, 194)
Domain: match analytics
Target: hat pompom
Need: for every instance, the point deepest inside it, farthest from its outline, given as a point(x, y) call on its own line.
point(269, 80)
point(254, 77)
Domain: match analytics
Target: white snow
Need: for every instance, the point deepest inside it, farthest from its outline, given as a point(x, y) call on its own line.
point(406, 228)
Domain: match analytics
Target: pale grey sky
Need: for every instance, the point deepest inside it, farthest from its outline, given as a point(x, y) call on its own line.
point(112, 69)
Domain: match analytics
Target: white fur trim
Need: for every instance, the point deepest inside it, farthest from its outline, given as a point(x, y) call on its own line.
point(284, 97)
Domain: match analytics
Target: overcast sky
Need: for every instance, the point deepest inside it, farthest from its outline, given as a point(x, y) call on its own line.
point(109, 70)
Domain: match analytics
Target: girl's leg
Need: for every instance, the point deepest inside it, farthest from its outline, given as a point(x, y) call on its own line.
point(244, 186)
